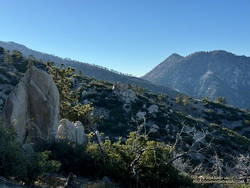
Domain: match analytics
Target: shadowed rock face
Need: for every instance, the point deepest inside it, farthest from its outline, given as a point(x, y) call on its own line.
point(33, 107)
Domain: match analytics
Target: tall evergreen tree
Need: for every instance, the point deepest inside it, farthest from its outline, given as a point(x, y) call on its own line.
point(70, 106)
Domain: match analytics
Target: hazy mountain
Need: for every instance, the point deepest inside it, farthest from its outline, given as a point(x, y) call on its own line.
point(94, 71)
point(211, 74)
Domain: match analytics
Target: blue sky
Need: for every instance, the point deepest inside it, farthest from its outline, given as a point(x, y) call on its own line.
point(130, 36)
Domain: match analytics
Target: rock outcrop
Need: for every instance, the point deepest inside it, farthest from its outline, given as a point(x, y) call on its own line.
point(153, 109)
point(32, 108)
point(124, 92)
point(141, 115)
point(71, 131)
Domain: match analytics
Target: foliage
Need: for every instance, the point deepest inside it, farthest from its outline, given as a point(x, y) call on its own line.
point(205, 100)
point(37, 165)
point(182, 100)
point(240, 186)
point(17, 56)
point(162, 98)
point(73, 158)
point(18, 61)
point(246, 122)
point(220, 100)
point(12, 156)
point(70, 107)
point(138, 89)
point(138, 160)
point(24, 166)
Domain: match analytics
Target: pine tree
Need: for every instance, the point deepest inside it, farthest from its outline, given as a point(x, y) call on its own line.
point(70, 106)
point(220, 100)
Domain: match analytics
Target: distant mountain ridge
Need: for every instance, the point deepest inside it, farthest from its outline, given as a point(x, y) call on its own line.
point(206, 74)
point(94, 71)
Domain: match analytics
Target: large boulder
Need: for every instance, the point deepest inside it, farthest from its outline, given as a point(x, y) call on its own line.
point(32, 108)
point(73, 132)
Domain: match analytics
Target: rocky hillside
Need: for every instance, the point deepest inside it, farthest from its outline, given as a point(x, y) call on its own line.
point(124, 107)
point(223, 130)
point(94, 71)
point(206, 74)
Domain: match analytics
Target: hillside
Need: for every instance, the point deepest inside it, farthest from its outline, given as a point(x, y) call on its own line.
point(206, 74)
point(123, 108)
point(94, 71)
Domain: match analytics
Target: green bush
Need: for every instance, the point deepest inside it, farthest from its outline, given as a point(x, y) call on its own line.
point(220, 100)
point(246, 122)
point(12, 156)
point(24, 166)
point(137, 161)
point(182, 100)
point(73, 158)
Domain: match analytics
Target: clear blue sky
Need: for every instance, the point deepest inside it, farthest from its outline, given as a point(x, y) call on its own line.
point(130, 36)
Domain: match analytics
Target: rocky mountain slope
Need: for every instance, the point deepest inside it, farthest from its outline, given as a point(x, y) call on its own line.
point(206, 74)
point(224, 130)
point(94, 71)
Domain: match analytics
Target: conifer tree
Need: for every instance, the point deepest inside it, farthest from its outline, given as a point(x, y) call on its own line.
point(70, 106)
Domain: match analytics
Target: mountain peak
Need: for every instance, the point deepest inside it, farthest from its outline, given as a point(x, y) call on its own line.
point(173, 58)
point(206, 74)
point(175, 55)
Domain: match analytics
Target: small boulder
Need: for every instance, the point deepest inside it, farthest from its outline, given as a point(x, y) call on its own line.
point(81, 137)
point(141, 115)
point(66, 130)
point(154, 128)
point(153, 109)
point(73, 132)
